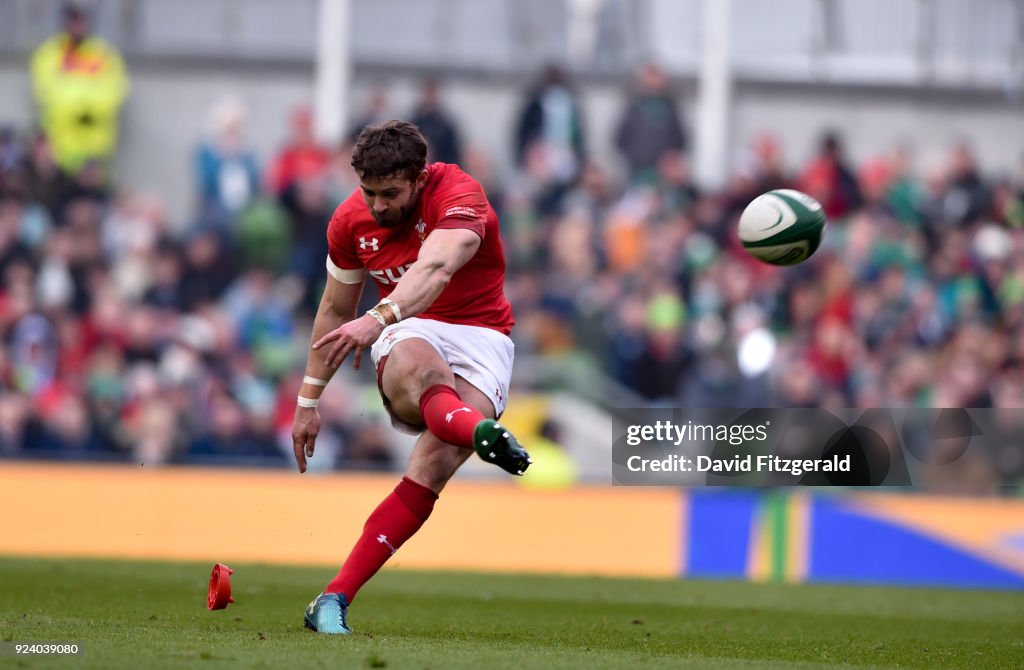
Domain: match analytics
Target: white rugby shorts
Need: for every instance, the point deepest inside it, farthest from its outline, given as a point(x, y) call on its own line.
point(481, 356)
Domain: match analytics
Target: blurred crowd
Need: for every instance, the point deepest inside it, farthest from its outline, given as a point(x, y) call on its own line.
point(127, 336)
point(916, 298)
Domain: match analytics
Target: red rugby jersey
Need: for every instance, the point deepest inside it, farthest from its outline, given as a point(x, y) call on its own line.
point(450, 199)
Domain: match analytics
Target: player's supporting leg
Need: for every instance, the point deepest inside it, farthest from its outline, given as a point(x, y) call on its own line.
point(402, 513)
point(413, 367)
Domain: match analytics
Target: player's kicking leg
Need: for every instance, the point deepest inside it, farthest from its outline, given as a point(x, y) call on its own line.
point(422, 391)
point(414, 371)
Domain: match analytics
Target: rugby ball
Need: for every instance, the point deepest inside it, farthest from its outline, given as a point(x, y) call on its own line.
point(782, 227)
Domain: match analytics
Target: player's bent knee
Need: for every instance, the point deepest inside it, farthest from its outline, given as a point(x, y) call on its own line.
point(409, 381)
point(426, 378)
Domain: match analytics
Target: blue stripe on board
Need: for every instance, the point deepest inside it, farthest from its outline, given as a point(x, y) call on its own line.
point(847, 545)
point(718, 539)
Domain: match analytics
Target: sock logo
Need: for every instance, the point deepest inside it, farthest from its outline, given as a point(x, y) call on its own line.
point(383, 539)
point(450, 415)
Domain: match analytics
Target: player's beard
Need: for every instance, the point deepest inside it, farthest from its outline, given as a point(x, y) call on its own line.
point(401, 216)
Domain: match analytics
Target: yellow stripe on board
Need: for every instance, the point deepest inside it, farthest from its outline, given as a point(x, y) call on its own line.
point(779, 538)
point(759, 552)
point(798, 519)
point(283, 517)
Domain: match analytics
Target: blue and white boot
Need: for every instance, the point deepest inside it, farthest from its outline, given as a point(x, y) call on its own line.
point(326, 614)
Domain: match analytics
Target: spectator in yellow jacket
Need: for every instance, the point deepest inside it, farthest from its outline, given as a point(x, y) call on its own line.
point(79, 82)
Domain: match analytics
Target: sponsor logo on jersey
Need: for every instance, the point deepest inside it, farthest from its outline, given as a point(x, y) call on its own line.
point(390, 275)
point(462, 211)
point(372, 243)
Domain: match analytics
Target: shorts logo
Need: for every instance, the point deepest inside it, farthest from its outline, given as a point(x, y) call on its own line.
point(372, 243)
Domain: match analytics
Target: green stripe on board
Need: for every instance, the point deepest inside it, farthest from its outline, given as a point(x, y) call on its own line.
point(777, 504)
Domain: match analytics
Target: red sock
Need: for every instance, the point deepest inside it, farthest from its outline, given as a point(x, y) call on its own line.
point(448, 417)
point(394, 521)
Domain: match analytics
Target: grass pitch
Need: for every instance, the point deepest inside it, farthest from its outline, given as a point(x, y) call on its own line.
point(153, 615)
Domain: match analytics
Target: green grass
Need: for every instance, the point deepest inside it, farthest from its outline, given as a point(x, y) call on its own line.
point(153, 615)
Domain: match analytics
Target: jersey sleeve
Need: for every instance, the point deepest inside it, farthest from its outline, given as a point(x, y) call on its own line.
point(462, 204)
point(467, 210)
point(342, 262)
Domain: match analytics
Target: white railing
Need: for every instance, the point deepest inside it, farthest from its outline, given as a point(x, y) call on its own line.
point(959, 43)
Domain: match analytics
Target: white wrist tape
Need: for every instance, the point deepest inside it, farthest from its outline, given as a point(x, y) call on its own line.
point(302, 401)
point(377, 315)
point(314, 381)
point(394, 308)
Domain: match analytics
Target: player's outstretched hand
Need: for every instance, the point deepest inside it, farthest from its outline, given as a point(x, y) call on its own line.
point(305, 428)
point(350, 338)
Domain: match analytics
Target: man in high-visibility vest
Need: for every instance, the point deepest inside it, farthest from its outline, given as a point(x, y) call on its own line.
point(79, 82)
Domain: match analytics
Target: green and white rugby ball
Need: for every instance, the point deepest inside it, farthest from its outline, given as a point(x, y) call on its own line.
point(782, 227)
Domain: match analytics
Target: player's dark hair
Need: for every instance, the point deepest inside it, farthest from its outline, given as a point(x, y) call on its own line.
point(393, 148)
